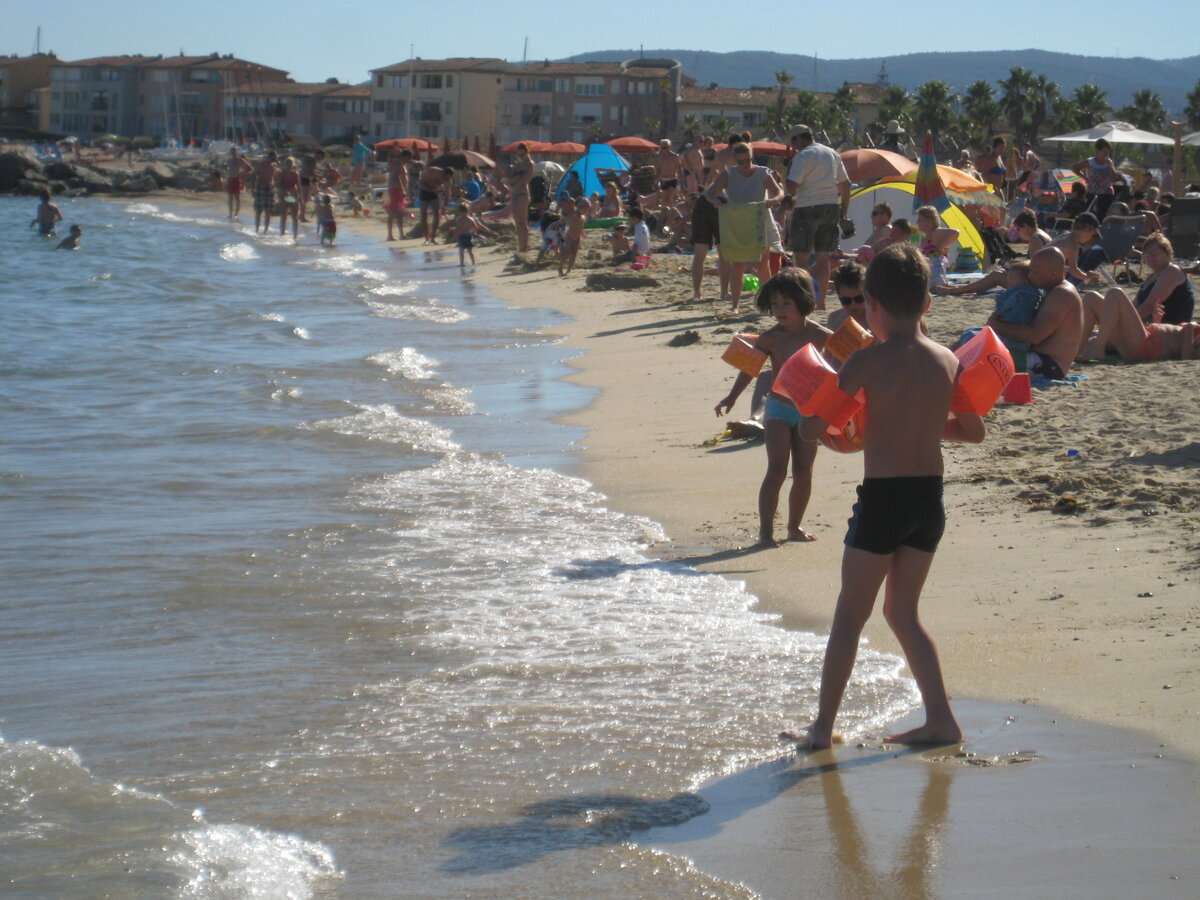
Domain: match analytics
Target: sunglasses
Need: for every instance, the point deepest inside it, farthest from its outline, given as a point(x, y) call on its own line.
point(853, 298)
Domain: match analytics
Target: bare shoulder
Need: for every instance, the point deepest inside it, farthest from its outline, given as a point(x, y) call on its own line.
point(816, 333)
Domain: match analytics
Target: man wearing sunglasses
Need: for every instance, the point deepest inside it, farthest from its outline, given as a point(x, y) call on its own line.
point(848, 281)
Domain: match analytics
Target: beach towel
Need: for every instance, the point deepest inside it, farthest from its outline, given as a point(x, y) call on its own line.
point(743, 231)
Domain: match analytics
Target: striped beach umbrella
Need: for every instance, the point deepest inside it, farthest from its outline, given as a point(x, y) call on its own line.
point(929, 189)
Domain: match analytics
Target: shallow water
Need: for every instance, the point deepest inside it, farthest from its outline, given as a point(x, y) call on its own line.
point(302, 598)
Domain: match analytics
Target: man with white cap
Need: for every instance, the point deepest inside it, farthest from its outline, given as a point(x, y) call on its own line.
point(818, 181)
point(892, 138)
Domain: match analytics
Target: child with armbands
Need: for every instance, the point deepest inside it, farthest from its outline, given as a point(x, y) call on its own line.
point(908, 383)
point(789, 297)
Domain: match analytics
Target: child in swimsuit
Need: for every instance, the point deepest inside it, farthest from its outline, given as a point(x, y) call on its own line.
point(789, 297)
point(326, 221)
point(908, 382)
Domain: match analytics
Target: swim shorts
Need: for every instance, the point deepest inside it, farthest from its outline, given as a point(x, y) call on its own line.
point(466, 241)
point(895, 512)
point(395, 201)
point(668, 183)
point(46, 229)
point(234, 185)
point(264, 199)
point(706, 223)
point(428, 196)
point(779, 409)
point(1043, 366)
point(815, 228)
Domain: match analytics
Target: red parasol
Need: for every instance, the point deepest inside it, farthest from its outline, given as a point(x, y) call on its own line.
point(633, 144)
point(415, 144)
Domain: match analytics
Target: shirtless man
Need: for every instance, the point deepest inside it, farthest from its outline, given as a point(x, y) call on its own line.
point(1057, 329)
point(265, 175)
point(236, 168)
point(308, 183)
point(669, 168)
point(397, 188)
point(693, 163)
point(433, 179)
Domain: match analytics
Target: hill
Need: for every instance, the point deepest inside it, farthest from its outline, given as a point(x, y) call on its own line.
point(1120, 77)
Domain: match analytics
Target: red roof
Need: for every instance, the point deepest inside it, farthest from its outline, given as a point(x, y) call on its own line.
point(461, 64)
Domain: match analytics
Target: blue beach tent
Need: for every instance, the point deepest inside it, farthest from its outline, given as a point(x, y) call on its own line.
point(598, 156)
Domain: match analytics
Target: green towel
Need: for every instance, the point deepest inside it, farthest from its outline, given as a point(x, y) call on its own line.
point(743, 231)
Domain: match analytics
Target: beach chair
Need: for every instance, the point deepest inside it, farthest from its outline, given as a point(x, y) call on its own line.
point(1118, 240)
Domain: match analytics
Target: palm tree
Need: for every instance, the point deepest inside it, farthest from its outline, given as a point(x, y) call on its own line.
point(721, 127)
point(806, 109)
point(784, 79)
point(1041, 100)
point(981, 109)
point(1065, 114)
point(1192, 110)
point(933, 108)
point(691, 126)
point(1014, 96)
point(1146, 111)
point(1091, 104)
point(896, 104)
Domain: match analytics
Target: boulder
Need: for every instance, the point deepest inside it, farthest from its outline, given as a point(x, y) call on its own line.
point(17, 164)
point(138, 184)
point(160, 172)
point(186, 181)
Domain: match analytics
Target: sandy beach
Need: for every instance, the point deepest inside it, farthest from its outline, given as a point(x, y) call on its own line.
point(1064, 601)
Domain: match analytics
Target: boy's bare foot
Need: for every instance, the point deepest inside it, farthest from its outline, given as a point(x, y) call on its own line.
point(799, 534)
point(812, 738)
point(928, 734)
point(767, 540)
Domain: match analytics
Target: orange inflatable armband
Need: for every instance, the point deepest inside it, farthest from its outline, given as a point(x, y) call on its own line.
point(849, 337)
point(743, 355)
point(811, 384)
point(848, 438)
point(987, 368)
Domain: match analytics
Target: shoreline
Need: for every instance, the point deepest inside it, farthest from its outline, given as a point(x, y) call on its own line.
point(1077, 761)
point(1030, 599)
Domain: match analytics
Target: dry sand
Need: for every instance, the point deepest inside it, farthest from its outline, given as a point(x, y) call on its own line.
point(1064, 600)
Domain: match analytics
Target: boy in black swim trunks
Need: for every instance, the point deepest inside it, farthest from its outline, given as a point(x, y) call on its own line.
point(909, 383)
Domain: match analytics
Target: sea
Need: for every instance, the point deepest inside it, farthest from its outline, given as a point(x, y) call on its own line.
point(302, 594)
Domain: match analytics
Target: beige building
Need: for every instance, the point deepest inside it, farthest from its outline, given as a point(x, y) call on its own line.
point(283, 111)
point(436, 98)
point(585, 101)
point(182, 96)
point(20, 79)
point(754, 108)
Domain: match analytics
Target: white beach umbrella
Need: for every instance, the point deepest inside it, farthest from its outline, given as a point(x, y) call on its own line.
point(1114, 133)
point(1191, 140)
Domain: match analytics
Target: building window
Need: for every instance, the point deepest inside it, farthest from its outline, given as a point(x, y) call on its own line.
point(395, 81)
point(431, 82)
point(563, 86)
point(449, 81)
point(589, 87)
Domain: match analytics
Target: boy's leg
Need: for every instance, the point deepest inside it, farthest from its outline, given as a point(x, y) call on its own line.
point(778, 436)
point(862, 575)
point(699, 251)
point(803, 455)
point(905, 580)
point(738, 271)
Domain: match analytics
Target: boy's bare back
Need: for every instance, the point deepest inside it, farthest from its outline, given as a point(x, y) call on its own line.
point(909, 384)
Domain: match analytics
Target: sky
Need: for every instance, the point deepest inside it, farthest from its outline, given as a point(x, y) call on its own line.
point(318, 40)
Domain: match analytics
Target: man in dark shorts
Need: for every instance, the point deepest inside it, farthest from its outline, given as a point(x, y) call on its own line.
point(265, 175)
point(818, 182)
point(429, 189)
point(1057, 329)
point(706, 234)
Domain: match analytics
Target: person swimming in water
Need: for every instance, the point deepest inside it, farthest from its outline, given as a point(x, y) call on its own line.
point(48, 215)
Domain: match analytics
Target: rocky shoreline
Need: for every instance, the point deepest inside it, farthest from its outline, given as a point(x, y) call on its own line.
point(22, 173)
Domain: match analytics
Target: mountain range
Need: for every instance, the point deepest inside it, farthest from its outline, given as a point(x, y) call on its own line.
point(1118, 76)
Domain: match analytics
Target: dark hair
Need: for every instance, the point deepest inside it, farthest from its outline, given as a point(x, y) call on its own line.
point(1102, 144)
point(997, 141)
point(734, 139)
point(849, 274)
point(635, 212)
point(795, 284)
point(1086, 219)
point(1026, 217)
point(904, 225)
point(886, 207)
point(898, 280)
point(1079, 189)
point(44, 194)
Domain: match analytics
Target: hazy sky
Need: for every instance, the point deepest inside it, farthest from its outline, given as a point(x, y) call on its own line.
point(314, 40)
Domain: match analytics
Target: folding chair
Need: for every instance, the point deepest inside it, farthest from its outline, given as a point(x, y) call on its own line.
point(1185, 227)
point(1118, 240)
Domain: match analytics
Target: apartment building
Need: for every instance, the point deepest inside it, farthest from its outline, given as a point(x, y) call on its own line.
point(277, 112)
point(742, 108)
point(182, 96)
point(20, 79)
point(436, 98)
point(584, 101)
point(95, 96)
